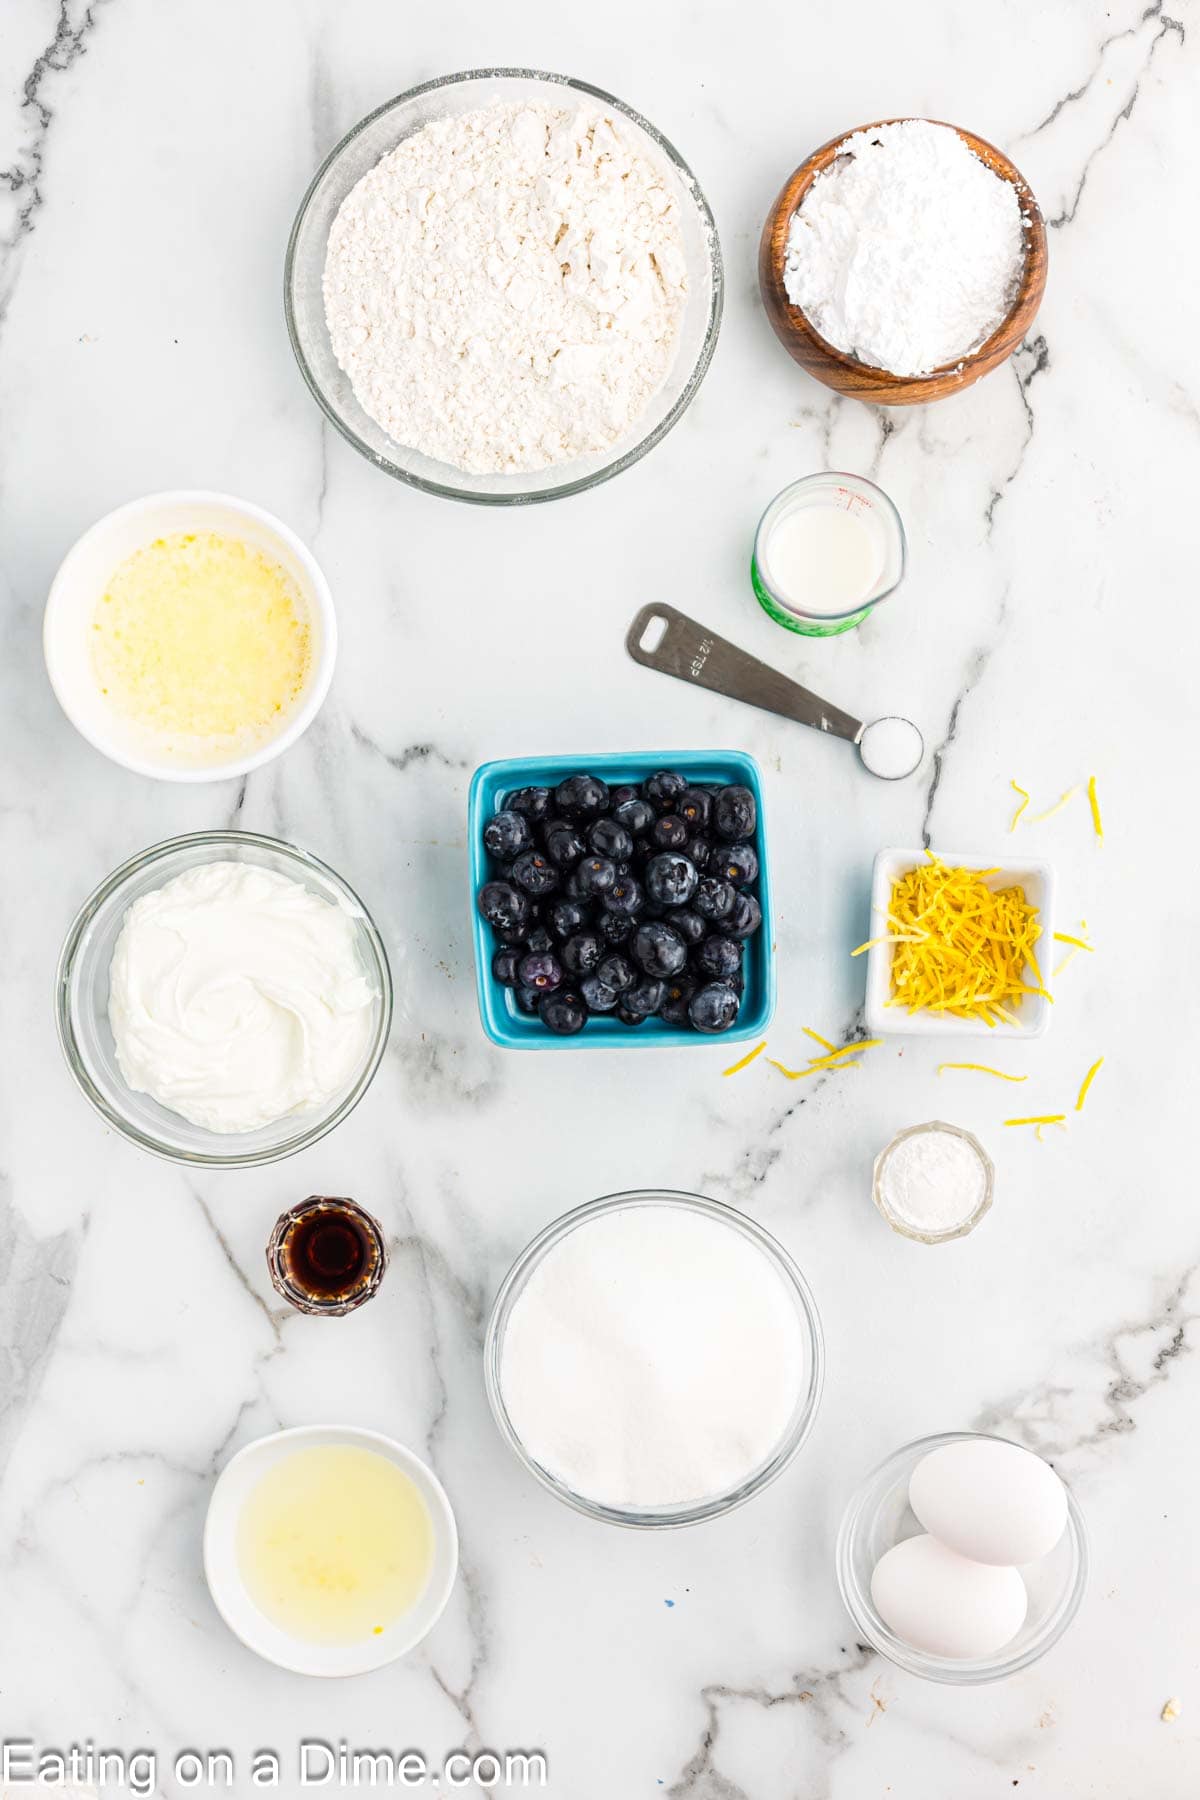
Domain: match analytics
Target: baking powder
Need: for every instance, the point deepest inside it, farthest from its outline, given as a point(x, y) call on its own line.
point(932, 1181)
point(907, 250)
point(505, 288)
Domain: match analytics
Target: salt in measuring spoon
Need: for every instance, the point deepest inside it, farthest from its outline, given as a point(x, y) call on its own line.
point(890, 747)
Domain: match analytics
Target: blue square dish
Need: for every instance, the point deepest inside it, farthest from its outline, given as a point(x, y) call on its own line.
point(503, 1020)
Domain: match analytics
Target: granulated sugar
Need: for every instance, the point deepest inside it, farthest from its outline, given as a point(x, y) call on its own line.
point(654, 1357)
point(907, 250)
point(505, 288)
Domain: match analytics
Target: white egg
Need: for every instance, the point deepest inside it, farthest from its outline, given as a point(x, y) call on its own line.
point(942, 1603)
point(990, 1501)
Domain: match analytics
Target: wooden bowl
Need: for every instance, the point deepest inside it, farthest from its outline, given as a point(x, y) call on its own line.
point(845, 373)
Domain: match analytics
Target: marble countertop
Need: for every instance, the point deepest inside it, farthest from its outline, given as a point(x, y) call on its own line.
point(151, 159)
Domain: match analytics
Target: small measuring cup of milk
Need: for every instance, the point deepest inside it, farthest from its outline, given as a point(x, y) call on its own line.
point(827, 550)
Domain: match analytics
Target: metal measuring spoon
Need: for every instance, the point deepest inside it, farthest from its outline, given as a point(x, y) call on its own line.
point(890, 747)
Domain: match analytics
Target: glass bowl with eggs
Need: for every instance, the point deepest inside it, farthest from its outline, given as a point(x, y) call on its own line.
point(223, 999)
point(962, 1558)
point(504, 286)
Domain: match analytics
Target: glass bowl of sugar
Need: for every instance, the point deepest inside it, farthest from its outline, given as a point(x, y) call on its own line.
point(654, 1359)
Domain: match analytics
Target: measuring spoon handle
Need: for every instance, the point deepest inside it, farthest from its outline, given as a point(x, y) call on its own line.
point(692, 653)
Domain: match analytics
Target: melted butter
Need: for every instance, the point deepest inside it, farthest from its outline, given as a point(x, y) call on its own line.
point(199, 636)
point(335, 1544)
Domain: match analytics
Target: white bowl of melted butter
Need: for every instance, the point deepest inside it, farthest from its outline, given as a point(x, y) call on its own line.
point(329, 1550)
point(190, 636)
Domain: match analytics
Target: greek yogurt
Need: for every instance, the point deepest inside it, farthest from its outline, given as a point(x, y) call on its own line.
point(237, 997)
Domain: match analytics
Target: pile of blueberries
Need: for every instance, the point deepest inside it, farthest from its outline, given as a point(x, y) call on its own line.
point(630, 901)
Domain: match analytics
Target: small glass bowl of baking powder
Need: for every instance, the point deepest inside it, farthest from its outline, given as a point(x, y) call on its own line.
point(933, 1182)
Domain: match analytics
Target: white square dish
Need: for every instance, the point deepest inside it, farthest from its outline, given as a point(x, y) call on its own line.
point(1037, 879)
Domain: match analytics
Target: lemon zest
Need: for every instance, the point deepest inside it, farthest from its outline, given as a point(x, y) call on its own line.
point(1012, 824)
point(838, 1056)
point(792, 1074)
point(734, 1068)
point(1040, 1119)
point(1064, 937)
point(982, 1069)
point(1087, 1082)
point(967, 945)
point(817, 1038)
point(1057, 807)
point(886, 939)
point(1094, 803)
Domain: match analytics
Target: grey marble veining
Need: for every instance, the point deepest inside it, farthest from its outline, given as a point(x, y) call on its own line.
point(151, 159)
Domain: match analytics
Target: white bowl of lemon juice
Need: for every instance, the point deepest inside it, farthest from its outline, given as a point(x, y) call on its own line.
point(190, 636)
point(329, 1550)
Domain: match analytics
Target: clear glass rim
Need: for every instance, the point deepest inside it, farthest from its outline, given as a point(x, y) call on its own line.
point(965, 1672)
point(65, 1025)
point(715, 1505)
point(821, 478)
point(581, 484)
point(899, 1225)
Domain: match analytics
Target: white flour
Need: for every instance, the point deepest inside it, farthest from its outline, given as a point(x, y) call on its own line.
point(933, 1181)
point(907, 251)
point(505, 288)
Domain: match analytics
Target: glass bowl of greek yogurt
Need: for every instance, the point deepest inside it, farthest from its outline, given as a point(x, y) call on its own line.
point(504, 286)
point(654, 1359)
point(223, 999)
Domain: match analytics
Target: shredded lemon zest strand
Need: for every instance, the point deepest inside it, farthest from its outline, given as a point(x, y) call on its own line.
point(792, 1074)
point(961, 947)
point(1064, 937)
point(910, 938)
point(1068, 958)
point(838, 1056)
point(1094, 803)
point(817, 1038)
point(1012, 824)
point(982, 1069)
point(1087, 1082)
point(735, 1068)
point(1040, 1119)
point(1057, 807)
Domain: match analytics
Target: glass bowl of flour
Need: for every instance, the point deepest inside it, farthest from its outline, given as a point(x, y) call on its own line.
point(504, 286)
point(654, 1359)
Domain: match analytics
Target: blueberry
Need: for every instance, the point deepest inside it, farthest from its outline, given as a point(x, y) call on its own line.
point(719, 958)
point(615, 927)
point(669, 833)
point(563, 844)
point(634, 813)
point(670, 879)
point(714, 898)
point(566, 917)
point(738, 864)
point(658, 950)
point(532, 872)
point(628, 1017)
point(702, 851)
point(563, 1013)
point(674, 1009)
point(543, 972)
point(528, 999)
point(617, 973)
point(581, 796)
point(596, 875)
point(620, 795)
point(504, 906)
point(735, 813)
point(505, 835)
point(504, 965)
point(694, 807)
point(581, 953)
point(533, 803)
point(745, 918)
point(624, 897)
point(608, 838)
point(713, 1007)
point(643, 1000)
point(597, 994)
point(663, 790)
point(538, 941)
point(690, 926)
